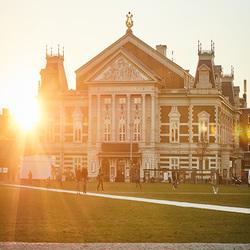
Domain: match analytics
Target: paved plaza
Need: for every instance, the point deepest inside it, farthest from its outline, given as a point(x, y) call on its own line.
point(123, 246)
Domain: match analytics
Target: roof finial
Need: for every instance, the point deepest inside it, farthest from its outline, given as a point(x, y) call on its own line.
point(58, 49)
point(212, 46)
point(199, 47)
point(51, 51)
point(129, 21)
point(172, 55)
point(232, 70)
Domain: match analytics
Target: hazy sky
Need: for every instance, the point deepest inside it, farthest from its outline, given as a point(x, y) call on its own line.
point(85, 28)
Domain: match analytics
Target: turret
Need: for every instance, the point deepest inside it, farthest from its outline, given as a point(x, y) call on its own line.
point(205, 77)
point(53, 77)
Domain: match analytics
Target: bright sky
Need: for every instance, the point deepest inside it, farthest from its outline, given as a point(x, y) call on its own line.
point(85, 28)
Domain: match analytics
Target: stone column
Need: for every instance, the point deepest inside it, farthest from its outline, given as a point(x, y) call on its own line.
point(98, 119)
point(89, 119)
point(128, 118)
point(62, 138)
point(153, 118)
point(113, 130)
point(143, 119)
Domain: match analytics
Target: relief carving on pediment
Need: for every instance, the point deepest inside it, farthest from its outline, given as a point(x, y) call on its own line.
point(121, 70)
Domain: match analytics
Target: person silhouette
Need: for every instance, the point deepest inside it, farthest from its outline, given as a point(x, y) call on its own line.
point(100, 180)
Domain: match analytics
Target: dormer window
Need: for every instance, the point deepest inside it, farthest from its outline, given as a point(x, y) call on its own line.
point(204, 77)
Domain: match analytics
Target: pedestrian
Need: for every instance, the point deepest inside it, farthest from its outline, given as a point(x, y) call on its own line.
point(174, 180)
point(78, 176)
point(248, 183)
point(100, 180)
point(30, 177)
point(214, 182)
point(84, 178)
point(137, 176)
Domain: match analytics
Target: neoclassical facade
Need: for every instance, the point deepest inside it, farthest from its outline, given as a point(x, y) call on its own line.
point(132, 104)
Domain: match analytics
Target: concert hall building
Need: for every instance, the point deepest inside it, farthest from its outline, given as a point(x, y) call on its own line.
point(133, 104)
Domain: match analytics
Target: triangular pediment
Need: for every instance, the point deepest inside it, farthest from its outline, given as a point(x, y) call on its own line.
point(204, 67)
point(122, 67)
point(85, 73)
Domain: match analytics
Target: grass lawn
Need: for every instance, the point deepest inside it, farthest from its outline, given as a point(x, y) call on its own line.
point(38, 216)
point(229, 195)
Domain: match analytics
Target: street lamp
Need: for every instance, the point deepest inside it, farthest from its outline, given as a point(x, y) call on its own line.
point(203, 145)
point(131, 143)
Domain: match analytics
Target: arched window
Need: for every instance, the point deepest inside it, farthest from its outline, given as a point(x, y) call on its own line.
point(122, 129)
point(107, 128)
point(174, 125)
point(203, 118)
point(137, 129)
point(77, 130)
point(107, 119)
point(77, 125)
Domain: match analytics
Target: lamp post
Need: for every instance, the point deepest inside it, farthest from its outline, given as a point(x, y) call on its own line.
point(131, 144)
point(203, 146)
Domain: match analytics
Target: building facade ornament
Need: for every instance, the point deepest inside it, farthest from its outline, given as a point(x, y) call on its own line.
point(121, 70)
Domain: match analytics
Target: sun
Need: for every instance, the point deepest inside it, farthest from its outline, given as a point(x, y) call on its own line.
point(26, 114)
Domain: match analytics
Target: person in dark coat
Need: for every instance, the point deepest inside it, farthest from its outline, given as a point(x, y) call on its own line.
point(84, 178)
point(215, 181)
point(100, 180)
point(78, 175)
point(137, 176)
point(30, 177)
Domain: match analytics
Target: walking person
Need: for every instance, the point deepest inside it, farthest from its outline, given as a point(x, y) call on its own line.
point(84, 178)
point(137, 176)
point(100, 180)
point(174, 180)
point(78, 175)
point(215, 182)
point(30, 177)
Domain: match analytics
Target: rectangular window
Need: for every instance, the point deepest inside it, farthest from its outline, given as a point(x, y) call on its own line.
point(122, 100)
point(249, 147)
point(174, 163)
point(77, 134)
point(137, 130)
point(137, 100)
point(122, 130)
point(248, 119)
point(77, 162)
point(174, 131)
point(204, 76)
point(107, 100)
point(203, 130)
point(107, 130)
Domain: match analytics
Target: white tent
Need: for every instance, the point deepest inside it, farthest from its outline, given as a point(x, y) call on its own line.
point(39, 165)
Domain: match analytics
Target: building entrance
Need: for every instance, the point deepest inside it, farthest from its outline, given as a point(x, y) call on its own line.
point(106, 169)
point(120, 170)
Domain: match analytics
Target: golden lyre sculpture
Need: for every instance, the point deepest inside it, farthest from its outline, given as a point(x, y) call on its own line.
point(129, 21)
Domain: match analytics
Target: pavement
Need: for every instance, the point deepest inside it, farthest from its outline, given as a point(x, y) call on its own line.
point(122, 246)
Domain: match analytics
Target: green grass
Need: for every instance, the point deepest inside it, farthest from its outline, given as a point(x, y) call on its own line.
point(38, 216)
point(229, 195)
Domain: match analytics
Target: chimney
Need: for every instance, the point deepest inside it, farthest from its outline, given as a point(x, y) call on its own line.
point(162, 49)
point(245, 91)
point(245, 86)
